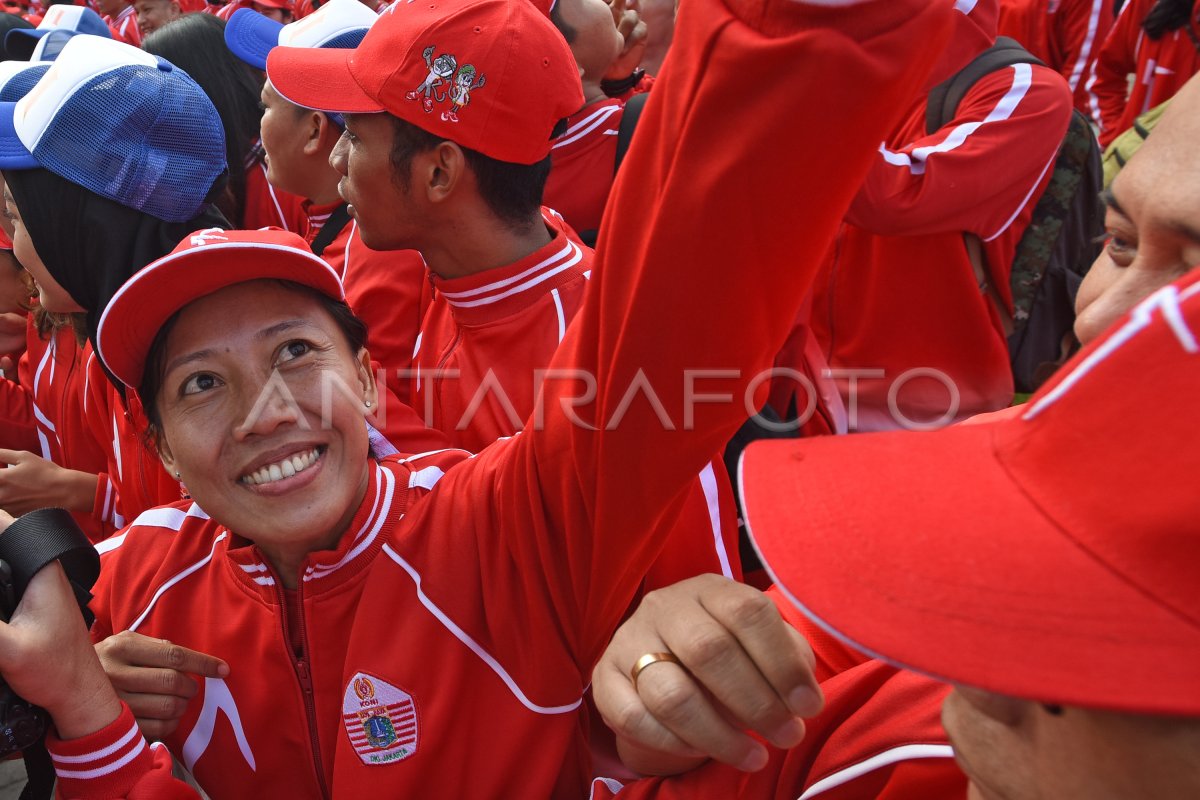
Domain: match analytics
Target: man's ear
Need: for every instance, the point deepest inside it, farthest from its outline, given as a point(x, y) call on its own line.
point(322, 134)
point(444, 171)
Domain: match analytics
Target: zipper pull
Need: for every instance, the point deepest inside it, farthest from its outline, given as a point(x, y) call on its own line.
point(302, 673)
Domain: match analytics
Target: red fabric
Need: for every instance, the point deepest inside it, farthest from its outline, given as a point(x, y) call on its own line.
point(532, 550)
point(265, 206)
point(898, 291)
point(145, 776)
point(1159, 69)
point(583, 164)
point(18, 425)
point(124, 27)
point(134, 479)
point(1065, 34)
point(203, 263)
point(880, 736)
point(484, 339)
point(53, 372)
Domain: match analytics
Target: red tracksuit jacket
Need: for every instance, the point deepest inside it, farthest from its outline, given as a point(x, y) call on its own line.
point(1159, 69)
point(485, 603)
point(53, 368)
point(484, 339)
point(898, 303)
point(46, 414)
point(880, 737)
point(134, 479)
point(1065, 34)
point(583, 164)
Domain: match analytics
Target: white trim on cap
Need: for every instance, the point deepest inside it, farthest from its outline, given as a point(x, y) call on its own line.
point(61, 16)
point(81, 60)
point(332, 19)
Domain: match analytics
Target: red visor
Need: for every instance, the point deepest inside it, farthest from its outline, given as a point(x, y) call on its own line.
point(1053, 556)
point(204, 262)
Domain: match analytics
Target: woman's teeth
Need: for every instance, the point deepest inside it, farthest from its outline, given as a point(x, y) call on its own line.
point(282, 469)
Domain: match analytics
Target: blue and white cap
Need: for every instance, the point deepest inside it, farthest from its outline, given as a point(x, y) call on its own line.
point(338, 24)
point(122, 123)
point(18, 77)
point(21, 43)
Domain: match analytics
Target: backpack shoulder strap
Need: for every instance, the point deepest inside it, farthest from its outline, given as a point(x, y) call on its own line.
point(945, 98)
point(338, 220)
point(629, 121)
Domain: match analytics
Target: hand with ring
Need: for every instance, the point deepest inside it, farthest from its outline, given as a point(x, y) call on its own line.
point(696, 668)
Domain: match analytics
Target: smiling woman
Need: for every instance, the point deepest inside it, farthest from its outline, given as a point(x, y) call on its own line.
point(214, 404)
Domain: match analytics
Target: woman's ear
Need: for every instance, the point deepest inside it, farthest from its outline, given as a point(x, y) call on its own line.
point(158, 440)
point(366, 380)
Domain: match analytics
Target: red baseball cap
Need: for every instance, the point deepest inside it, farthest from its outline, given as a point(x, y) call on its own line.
point(204, 262)
point(494, 76)
point(1053, 557)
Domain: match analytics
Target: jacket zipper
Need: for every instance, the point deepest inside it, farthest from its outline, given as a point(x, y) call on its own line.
point(437, 386)
point(304, 678)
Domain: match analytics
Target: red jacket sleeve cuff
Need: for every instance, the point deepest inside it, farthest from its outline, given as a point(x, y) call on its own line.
point(105, 764)
point(104, 503)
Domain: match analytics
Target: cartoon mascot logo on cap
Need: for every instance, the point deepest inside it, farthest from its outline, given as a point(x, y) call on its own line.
point(440, 70)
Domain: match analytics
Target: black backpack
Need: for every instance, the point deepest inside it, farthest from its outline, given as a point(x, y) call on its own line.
point(1063, 237)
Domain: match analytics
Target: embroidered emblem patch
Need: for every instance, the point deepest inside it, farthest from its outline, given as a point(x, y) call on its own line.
point(442, 74)
point(380, 719)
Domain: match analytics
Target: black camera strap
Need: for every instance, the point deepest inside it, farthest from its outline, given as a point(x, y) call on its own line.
point(28, 545)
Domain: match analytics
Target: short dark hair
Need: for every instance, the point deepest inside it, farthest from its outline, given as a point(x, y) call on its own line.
point(353, 328)
point(569, 33)
point(513, 192)
point(1167, 16)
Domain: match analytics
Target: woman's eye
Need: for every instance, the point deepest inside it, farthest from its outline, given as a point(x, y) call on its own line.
point(293, 350)
point(1120, 249)
point(202, 382)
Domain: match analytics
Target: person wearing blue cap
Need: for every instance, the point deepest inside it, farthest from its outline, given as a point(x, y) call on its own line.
point(154, 160)
point(64, 21)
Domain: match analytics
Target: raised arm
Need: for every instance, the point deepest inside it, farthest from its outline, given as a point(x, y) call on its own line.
point(724, 208)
